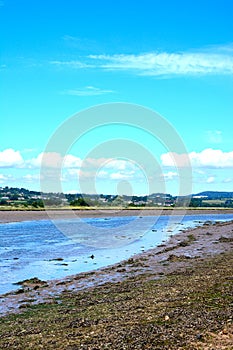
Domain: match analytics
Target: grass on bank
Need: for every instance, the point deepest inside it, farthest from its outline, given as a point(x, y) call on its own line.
point(189, 309)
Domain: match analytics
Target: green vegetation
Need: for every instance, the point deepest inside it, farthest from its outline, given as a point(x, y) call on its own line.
point(20, 198)
point(80, 202)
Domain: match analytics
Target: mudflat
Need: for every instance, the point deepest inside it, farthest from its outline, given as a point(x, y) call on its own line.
point(28, 215)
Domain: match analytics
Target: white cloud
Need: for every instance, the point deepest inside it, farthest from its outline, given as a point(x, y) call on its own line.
point(164, 63)
point(49, 159)
point(72, 173)
point(171, 175)
point(10, 158)
point(199, 171)
point(75, 174)
point(31, 177)
point(208, 158)
point(210, 180)
point(172, 159)
point(108, 174)
point(95, 163)
point(82, 174)
point(85, 174)
point(53, 160)
point(88, 91)
point(119, 169)
point(227, 180)
point(119, 164)
point(102, 174)
point(72, 191)
point(121, 176)
point(5, 178)
point(103, 168)
point(71, 161)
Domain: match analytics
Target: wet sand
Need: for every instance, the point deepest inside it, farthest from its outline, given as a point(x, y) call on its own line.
point(7, 216)
point(182, 251)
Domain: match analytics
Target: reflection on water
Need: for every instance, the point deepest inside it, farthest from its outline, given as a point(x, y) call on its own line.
point(39, 248)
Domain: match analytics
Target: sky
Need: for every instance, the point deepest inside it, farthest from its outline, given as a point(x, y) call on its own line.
point(175, 58)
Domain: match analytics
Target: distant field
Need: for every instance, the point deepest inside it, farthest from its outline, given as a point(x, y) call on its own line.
point(214, 201)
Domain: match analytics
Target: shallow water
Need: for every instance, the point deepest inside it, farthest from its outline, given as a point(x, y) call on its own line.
point(50, 250)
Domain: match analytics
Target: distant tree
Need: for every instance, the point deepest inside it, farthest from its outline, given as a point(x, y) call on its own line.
point(80, 202)
point(195, 202)
point(70, 197)
point(182, 202)
point(14, 197)
point(228, 203)
point(52, 201)
point(38, 203)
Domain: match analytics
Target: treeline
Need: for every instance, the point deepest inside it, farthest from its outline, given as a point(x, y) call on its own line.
point(21, 197)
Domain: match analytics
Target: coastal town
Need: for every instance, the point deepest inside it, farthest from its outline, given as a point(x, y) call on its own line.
point(24, 198)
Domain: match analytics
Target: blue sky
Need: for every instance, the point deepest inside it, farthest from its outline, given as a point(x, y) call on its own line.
point(60, 57)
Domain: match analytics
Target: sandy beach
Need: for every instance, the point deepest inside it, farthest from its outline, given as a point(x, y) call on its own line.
point(27, 215)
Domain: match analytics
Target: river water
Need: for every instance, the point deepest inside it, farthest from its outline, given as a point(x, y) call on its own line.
point(51, 250)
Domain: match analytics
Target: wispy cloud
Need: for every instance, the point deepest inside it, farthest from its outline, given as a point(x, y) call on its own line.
point(75, 64)
point(159, 64)
point(88, 91)
point(207, 61)
point(227, 180)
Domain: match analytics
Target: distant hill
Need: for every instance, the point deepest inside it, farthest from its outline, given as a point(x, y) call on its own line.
point(23, 198)
point(215, 194)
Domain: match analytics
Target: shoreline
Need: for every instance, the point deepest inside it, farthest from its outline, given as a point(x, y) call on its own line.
point(10, 216)
point(180, 252)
